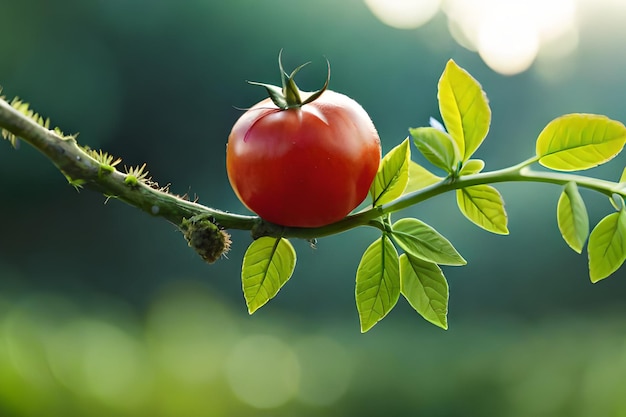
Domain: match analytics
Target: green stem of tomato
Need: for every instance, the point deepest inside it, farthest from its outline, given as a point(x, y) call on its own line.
point(518, 173)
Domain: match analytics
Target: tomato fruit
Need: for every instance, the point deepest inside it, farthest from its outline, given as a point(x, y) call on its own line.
point(302, 163)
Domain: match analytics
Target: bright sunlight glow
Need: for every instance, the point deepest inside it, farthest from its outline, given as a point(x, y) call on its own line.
point(404, 14)
point(508, 43)
point(507, 34)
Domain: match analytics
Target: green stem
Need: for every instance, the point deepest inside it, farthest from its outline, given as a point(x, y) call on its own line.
point(80, 167)
point(518, 173)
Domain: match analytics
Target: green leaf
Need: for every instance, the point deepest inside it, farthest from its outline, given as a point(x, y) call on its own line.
point(580, 141)
point(377, 282)
point(622, 179)
point(617, 201)
point(267, 266)
point(392, 176)
point(572, 217)
point(437, 147)
point(607, 246)
point(419, 177)
point(422, 241)
point(473, 166)
point(464, 109)
point(425, 287)
point(483, 206)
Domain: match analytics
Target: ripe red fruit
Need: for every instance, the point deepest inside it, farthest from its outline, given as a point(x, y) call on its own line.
point(302, 159)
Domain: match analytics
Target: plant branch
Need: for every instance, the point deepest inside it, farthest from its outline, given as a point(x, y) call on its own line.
point(81, 168)
point(518, 173)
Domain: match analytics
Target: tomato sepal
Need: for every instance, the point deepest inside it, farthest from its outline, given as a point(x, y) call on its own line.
point(289, 95)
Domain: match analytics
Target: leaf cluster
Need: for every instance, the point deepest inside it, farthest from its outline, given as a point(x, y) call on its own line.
point(407, 258)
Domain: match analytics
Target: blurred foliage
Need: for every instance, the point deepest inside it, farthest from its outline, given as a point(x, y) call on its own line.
point(189, 354)
point(94, 319)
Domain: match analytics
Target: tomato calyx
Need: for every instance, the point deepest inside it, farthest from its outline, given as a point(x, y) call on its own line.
point(289, 96)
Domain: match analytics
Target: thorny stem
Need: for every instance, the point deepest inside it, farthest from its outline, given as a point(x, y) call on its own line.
point(80, 167)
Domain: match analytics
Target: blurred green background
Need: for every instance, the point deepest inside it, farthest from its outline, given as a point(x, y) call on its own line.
point(104, 311)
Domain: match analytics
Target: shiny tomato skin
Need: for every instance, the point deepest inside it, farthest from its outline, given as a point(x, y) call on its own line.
point(303, 167)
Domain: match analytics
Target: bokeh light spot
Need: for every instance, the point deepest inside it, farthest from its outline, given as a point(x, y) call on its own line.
point(27, 327)
point(96, 357)
point(404, 14)
point(263, 371)
point(326, 369)
point(509, 35)
point(190, 333)
point(509, 45)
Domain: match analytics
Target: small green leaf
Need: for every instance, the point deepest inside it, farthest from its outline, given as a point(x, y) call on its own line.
point(617, 201)
point(607, 246)
point(580, 141)
point(377, 282)
point(464, 109)
point(419, 177)
point(392, 176)
point(483, 206)
point(422, 241)
point(425, 287)
point(572, 217)
point(437, 147)
point(267, 266)
point(473, 166)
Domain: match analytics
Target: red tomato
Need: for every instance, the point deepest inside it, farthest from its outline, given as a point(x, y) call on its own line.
point(306, 166)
